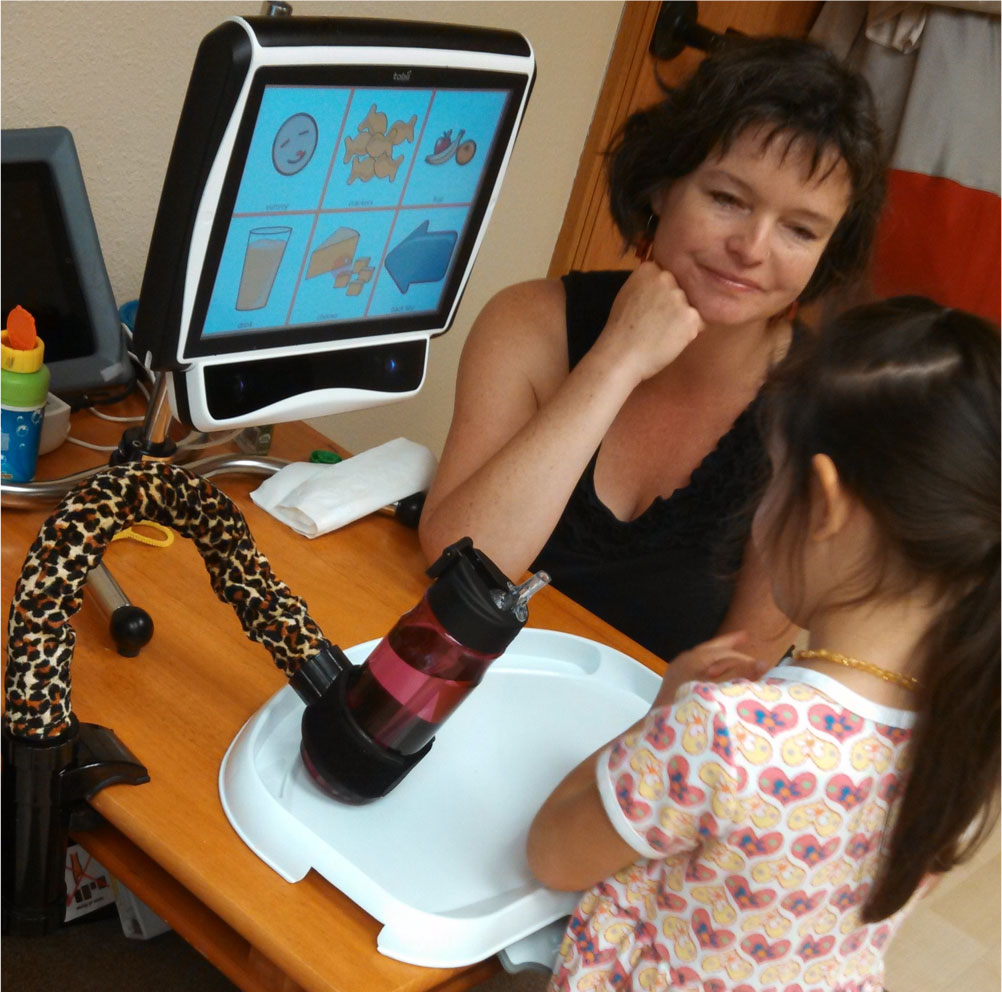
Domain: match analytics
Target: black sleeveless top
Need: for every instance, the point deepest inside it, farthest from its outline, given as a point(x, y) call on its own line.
point(665, 578)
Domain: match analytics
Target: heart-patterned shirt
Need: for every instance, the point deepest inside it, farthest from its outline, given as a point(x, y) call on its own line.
point(759, 810)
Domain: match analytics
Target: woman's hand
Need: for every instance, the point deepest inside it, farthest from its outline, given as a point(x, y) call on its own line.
point(716, 660)
point(650, 324)
point(523, 429)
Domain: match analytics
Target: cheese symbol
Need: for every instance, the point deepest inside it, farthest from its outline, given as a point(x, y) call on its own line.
point(337, 252)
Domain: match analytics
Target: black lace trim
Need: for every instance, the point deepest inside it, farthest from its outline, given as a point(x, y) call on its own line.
point(711, 508)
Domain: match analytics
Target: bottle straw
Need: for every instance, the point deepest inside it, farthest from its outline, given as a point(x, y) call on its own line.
point(529, 588)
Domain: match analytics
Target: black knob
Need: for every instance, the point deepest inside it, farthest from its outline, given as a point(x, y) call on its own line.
point(408, 510)
point(131, 629)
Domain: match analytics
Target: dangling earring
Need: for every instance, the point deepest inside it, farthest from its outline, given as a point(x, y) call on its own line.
point(789, 314)
point(645, 245)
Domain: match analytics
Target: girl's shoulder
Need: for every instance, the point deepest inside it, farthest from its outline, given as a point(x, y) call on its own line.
point(781, 705)
point(769, 689)
point(773, 706)
point(775, 688)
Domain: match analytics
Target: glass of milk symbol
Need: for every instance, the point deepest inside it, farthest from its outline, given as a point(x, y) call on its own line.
point(265, 248)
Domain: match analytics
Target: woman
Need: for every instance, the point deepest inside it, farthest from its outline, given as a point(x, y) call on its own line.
point(602, 425)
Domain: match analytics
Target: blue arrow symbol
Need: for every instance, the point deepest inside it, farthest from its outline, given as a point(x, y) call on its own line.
point(423, 256)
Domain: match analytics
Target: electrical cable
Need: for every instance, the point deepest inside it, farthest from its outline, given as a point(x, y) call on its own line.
point(114, 420)
point(89, 444)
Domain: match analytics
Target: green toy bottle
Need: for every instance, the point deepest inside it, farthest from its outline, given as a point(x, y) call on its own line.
point(24, 388)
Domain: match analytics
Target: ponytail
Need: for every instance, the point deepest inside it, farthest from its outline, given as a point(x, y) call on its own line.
point(904, 397)
point(950, 801)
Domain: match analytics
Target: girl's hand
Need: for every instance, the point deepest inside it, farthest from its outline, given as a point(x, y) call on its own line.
point(716, 660)
point(650, 323)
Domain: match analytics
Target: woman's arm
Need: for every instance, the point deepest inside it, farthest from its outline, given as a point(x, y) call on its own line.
point(524, 428)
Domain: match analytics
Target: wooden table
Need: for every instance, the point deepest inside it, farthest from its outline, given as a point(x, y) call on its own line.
point(180, 703)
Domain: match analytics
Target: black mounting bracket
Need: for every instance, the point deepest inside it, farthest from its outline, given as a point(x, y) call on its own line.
point(46, 784)
point(677, 28)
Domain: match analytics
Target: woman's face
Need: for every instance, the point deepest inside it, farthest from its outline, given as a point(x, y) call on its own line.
point(743, 233)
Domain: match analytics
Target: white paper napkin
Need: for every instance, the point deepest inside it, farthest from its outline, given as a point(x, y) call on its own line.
point(315, 499)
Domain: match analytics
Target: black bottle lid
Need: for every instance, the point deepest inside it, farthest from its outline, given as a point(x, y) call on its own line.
point(472, 599)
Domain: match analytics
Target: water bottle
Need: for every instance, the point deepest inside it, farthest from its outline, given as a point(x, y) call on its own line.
point(377, 721)
point(24, 388)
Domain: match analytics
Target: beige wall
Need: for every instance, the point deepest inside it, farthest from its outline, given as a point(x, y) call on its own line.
point(115, 74)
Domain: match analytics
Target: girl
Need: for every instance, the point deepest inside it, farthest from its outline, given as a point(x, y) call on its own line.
point(772, 834)
point(601, 428)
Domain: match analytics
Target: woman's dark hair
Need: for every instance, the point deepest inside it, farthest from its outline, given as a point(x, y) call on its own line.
point(903, 396)
point(796, 90)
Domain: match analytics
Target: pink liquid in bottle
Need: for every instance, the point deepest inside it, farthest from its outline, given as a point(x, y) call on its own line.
point(413, 680)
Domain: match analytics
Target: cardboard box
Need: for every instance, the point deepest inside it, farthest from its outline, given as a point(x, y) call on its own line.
point(88, 884)
point(139, 922)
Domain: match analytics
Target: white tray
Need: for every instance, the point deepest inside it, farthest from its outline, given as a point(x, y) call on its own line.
point(440, 861)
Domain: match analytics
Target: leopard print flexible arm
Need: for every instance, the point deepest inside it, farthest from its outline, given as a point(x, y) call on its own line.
point(40, 639)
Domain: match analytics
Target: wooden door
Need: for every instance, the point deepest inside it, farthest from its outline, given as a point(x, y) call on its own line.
point(588, 238)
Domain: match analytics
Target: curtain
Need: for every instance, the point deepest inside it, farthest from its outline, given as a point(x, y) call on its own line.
point(935, 74)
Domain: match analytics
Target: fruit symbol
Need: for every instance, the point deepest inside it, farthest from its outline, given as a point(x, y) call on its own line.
point(446, 147)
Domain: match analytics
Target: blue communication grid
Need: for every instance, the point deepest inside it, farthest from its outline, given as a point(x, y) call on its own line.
point(351, 204)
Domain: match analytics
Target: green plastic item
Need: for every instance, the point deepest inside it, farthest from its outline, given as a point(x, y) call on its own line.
point(24, 389)
point(323, 457)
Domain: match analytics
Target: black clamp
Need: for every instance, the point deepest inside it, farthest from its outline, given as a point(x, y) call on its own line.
point(46, 785)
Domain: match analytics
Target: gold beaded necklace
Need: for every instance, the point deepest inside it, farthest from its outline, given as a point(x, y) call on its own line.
point(820, 654)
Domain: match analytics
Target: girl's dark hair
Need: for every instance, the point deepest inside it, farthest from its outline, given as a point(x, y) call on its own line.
point(903, 396)
point(797, 90)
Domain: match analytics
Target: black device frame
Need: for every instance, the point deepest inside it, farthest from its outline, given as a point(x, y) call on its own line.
point(221, 67)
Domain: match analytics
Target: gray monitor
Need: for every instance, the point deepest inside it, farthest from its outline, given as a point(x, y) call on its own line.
point(53, 267)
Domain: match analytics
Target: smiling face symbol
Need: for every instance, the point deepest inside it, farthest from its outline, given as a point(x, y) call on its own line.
point(295, 143)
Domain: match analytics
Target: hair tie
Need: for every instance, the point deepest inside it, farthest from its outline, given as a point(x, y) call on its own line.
point(165, 540)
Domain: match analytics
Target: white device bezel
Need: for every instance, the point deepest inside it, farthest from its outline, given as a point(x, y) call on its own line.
point(325, 401)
